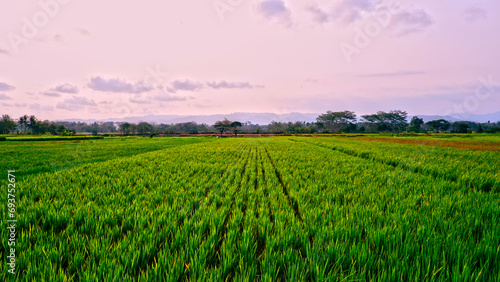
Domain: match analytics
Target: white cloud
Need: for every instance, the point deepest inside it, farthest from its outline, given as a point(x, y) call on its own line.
point(348, 11)
point(275, 11)
point(224, 84)
point(4, 51)
point(38, 107)
point(69, 107)
point(184, 85)
point(319, 15)
point(137, 99)
point(165, 97)
point(6, 87)
point(4, 96)
point(408, 22)
point(50, 94)
point(80, 100)
point(66, 88)
point(118, 85)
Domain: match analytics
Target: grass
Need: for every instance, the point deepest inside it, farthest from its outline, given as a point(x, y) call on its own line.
point(281, 208)
point(52, 156)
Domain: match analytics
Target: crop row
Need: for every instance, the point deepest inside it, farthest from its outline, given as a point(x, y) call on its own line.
point(30, 158)
point(246, 209)
point(478, 170)
point(370, 221)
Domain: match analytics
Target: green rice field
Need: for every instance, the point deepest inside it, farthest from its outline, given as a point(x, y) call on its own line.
point(286, 208)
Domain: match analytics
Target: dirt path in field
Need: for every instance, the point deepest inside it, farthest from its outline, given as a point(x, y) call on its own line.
point(480, 146)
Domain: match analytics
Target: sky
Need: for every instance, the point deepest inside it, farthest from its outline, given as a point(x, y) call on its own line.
point(62, 59)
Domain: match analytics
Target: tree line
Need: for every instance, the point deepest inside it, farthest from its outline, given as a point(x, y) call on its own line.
point(395, 121)
point(31, 125)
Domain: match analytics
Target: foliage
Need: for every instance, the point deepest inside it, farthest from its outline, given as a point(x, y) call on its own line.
point(416, 124)
point(222, 126)
point(394, 121)
point(439, 125)
point(286, 208)
point(336, 121)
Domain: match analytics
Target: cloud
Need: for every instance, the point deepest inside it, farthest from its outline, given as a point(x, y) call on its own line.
point(319, 15)
point(118, 86)
point(80, 100)
point(231, 85)
point(184, 85)
point(65, 88)
point(38, 107)
point(275, 11)
point(82, 31)
point(69, 107)
point(4, 96)
point(18, 105)
point(6, 87)
point(407, 22)
point(4, 51)
point(138, 100)
point(391, 74)
point(165, 97)
point(348, 11)
point(50, 94)
point(474, 14)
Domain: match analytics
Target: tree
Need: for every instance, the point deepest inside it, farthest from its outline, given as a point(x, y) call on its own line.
point(460, 127)
point(94, 128)
point(234, 125)
point(143, 128)
point(438, 125)
point(336, 121)
point(32, 124)
point(125, 128)
point(416, 124)
point(23, 123)
point(394, 121)
point(222, 126)
point(7, 124)
point(276, 127)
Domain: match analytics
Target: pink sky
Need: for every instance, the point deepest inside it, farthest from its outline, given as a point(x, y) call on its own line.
point(104, 59)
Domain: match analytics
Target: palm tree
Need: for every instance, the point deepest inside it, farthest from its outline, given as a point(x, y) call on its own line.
point(23, 122)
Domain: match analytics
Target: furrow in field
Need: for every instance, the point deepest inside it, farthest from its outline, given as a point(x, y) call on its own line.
point(215, 260)
point(287, 244)
point(290, 200)
point(151, 205)
point(266, 191)
point(207, 199)
point(474, 182)
point(205, 232)
point(365, 214)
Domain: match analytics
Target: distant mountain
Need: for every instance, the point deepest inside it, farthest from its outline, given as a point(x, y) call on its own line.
point(254, 118)
point(493, 117)
point(266, 118)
